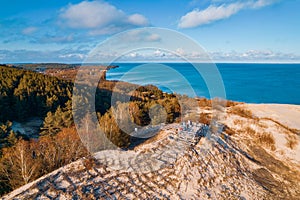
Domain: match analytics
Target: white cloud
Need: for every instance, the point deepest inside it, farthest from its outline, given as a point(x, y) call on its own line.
point(29, 30)
point(96, 15)
point(76, 55)
point(153, 37)
point(73, 56)
point(61, 55)
point(214, 13)
point(139, 35)
point(251, 56)
point(159, 53)
point(134, 55)
point(137, 19)
point(255, 56)
point(91, 14)
point(262, 3)
point(180, 51)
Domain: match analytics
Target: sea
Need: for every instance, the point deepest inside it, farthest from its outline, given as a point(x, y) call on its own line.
point(243, 82)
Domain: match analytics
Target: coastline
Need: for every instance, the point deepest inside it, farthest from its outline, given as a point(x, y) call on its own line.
point(243, 82)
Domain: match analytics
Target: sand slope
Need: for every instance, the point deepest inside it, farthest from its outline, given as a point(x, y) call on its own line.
point(181, 166)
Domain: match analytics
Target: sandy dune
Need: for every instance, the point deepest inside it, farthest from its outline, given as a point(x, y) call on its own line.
point(288, 115)
point(178, 165)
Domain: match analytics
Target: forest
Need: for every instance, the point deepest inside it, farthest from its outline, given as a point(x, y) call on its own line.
point(25, 94)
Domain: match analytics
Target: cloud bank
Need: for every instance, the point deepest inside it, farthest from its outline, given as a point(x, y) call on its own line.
point(78, 55)
point(213, 13)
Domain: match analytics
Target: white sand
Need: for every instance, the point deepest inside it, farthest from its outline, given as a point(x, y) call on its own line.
point(288, 115)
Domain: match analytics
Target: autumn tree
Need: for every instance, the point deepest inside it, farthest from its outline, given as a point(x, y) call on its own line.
point(112, 130)
point(28, 160)
point(60, 149)
point(19, 164)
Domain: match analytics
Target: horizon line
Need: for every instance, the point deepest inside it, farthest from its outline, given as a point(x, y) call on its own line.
point(145, 62)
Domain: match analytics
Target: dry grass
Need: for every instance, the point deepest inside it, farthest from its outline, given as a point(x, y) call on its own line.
point(292, 141)
point(262, 125)
point(267, 140)
point(89, 163)
point(237, 110)
point(218, 103)
point(295, 131)
point(250, 131)
point(205, 118)
point(228, 130)
point(232, 103)
point(238, 122)
point(204, 103)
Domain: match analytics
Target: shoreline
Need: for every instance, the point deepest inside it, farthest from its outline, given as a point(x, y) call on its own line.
point(242, 83)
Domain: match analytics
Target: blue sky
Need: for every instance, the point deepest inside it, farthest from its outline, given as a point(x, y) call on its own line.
point(229, 30)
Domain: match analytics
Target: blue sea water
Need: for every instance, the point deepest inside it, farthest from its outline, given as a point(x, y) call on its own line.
point(250, 83)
